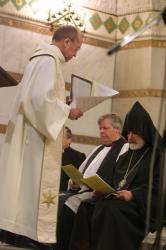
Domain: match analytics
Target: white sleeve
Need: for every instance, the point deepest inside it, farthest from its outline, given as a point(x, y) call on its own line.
point(81, 168)
point(123, 150)
point(41, 106)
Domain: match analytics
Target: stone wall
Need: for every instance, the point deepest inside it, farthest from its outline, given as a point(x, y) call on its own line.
point(140, 67)
point(137, 70)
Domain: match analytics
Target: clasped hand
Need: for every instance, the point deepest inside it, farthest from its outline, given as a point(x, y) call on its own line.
point(120, 195)
point(124, 195)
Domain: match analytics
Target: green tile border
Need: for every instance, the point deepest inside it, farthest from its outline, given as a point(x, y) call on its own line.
point(97, 20)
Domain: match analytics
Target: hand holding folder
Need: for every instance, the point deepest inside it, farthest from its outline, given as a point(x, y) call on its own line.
point(86, 94)
point(94, 182)
point(98, 184)
point(73, 173)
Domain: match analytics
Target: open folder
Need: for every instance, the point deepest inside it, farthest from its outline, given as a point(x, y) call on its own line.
point(94, 182)
point(86, 94)
point(73, 173)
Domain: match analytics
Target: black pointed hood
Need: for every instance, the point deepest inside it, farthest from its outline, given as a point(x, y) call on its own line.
point(138, 120)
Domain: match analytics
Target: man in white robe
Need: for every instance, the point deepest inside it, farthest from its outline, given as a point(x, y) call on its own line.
point(30, 160)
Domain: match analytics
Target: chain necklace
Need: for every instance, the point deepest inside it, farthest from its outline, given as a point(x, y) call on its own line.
point(122, 183)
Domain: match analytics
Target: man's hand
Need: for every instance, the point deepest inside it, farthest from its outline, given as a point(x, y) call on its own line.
point(124, 195)
point(72, 185)
point(75, 114)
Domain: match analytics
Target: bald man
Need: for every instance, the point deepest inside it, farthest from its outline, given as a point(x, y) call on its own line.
point(31, 155)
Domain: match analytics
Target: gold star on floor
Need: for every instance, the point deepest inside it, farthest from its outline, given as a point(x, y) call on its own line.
point(48, 198)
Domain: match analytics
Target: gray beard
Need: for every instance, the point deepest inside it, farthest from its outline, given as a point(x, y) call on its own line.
point(134, 146)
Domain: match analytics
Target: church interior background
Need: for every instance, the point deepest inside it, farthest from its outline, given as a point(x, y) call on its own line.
point(137, 71)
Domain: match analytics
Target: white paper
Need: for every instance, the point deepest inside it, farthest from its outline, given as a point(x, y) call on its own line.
point(103, 90)
point(87, 94)
point(80, 87)
point(86, 103)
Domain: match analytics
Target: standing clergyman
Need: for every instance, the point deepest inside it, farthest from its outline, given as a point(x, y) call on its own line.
point(31, 155)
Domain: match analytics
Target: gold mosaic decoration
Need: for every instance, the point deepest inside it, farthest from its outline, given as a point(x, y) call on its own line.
point(3, 2)
point(19, 4)
point(96, 19)
point(124, 25)
point(110, 25)
point(137, 23)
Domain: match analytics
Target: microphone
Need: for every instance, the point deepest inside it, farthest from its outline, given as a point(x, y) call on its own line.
point(164, 138)
point(115, 47)
point(127, 39)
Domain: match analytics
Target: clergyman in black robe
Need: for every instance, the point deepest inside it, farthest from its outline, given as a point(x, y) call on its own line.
point(119, 223)
point(69, 156)
point(101, 161)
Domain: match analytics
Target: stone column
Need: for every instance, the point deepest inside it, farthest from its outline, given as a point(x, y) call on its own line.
point(140, 66)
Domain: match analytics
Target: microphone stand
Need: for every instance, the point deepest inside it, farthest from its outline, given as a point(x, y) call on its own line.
point(161, 214)
point(162, 186)
point(127, 39)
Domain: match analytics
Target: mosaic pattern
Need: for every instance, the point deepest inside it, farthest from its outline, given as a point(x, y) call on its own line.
point(149, 19)
point(137, 23)
point(96, 20)
point(123, 25)
point(19, 4)
point(3, 2)
point(110, 25)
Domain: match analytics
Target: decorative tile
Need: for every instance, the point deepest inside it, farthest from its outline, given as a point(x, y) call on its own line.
point(149, 19)
point(19, 4)
point(110, 24)
point(123, 25)
point(33, 4)
point(127, 22)
point(137, 23)
point(3, 2)
point(96, 21)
